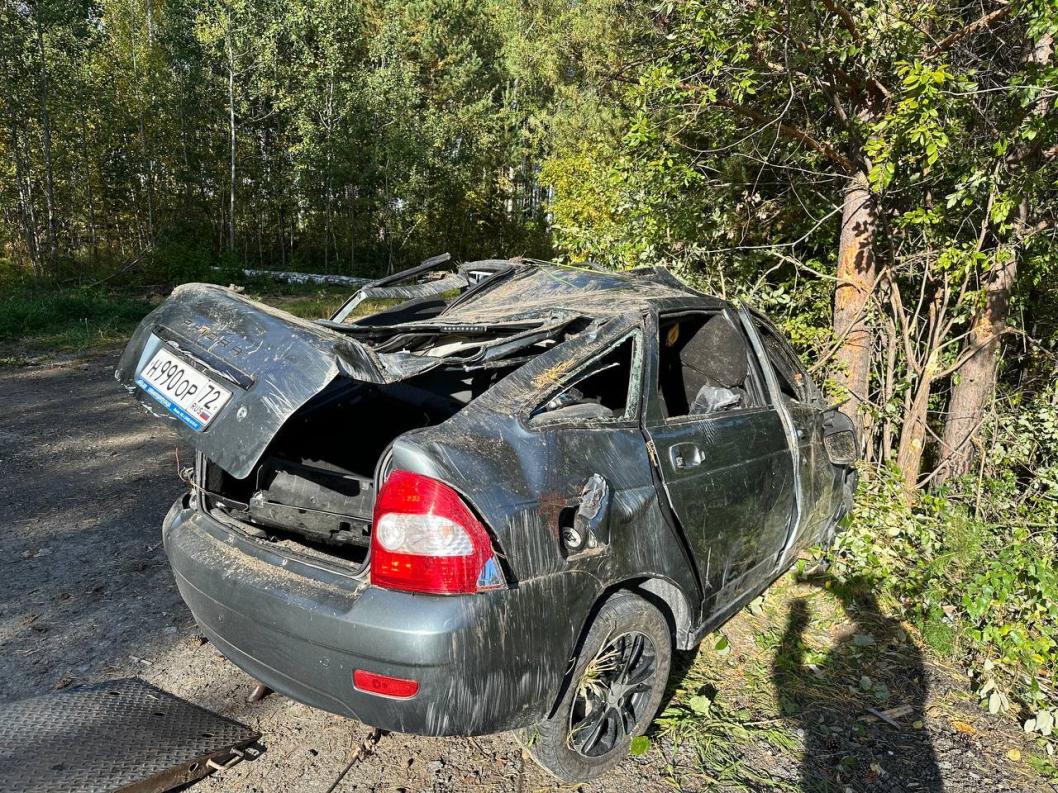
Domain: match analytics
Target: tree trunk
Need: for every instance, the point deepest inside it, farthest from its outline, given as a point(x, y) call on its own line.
point(25, 200)
point(976, 379)
point(86, 160)
point(856, 277)
point(231, 141)
point(887, 390)
point(145, 151)
point(49, 174)
point(913, 433)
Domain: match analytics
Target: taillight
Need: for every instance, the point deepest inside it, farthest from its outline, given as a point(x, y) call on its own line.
point(426, 539)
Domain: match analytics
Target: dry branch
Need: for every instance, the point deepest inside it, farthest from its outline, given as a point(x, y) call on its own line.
point(790, 132)
point(846, 18)
point(978, 24)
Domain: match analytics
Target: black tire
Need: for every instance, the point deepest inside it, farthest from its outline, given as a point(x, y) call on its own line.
point(611, 700)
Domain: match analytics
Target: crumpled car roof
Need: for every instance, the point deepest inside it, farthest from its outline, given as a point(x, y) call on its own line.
point(538, 289)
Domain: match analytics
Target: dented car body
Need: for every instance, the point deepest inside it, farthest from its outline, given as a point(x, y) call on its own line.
point(418, 517)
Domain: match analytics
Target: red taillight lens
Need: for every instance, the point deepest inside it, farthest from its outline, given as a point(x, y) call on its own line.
point(384, 684)
point(426, 539)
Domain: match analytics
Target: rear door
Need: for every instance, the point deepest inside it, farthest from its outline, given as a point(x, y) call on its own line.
point(802, 401)
point(728, 475)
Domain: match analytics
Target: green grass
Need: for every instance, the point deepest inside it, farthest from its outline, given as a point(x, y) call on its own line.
point(41, 319)
point(1045, 766)
point(37, 319)
point(940, 635)
point(66, 320)
point(321, 304)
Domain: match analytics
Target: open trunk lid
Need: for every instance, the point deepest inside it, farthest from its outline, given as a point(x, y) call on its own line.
point(231, 372)
point(269, 362)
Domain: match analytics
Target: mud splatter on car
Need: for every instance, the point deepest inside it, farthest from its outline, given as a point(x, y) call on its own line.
point(499, 504)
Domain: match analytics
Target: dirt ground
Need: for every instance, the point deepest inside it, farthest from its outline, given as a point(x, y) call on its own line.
point(781, 704)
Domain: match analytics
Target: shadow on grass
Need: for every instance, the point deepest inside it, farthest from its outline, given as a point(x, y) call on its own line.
point(830, 696)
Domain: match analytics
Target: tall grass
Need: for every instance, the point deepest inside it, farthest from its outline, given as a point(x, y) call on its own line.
point(36, 319)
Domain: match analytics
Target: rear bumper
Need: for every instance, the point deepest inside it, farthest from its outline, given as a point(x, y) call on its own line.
point(485, 663)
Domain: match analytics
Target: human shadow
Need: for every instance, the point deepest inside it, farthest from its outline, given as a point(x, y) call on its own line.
point(835, 697)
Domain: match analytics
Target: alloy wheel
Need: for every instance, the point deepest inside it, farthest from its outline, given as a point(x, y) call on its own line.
point(612, 694)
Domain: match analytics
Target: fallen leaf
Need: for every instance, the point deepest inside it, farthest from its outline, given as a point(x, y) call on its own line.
point(995, 702)
point(700, 704)
point(1045, 723)
point(722, 646)
point(962, 726)
point(1014, 754)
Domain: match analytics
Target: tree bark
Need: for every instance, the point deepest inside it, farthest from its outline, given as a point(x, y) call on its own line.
point(231, 137)
point(148, 162)
point(913, 431)
point(25, 200)
point(87, 162)
point(856, 279)
point(49, 174)
point(976, 379)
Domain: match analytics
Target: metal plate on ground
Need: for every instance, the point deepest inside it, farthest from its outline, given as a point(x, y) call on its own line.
point(123, 735)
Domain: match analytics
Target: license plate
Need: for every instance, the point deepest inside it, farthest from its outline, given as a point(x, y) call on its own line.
point(181, 389)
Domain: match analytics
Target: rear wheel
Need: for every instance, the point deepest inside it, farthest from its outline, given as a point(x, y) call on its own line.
point(617, 685)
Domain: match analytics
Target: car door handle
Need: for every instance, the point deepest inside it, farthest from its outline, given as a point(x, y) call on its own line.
point(685, 455)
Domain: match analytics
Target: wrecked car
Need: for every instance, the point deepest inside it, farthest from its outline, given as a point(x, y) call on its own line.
point(498, 503)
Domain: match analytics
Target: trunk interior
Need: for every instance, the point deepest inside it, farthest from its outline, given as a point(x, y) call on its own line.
point(314, 489)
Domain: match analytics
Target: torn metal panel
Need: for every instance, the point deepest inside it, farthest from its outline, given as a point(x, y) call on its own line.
point(273, 363)
point(426, 266)
point(540, 290)
point(435, 286)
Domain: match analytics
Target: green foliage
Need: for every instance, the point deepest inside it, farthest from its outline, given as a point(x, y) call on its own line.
point(67, 320)
point(640, 746)
point(722, 150)
point(980, 583)
point(317, 134)
point(149, 143)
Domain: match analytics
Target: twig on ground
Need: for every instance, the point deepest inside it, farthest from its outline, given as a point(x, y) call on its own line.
point(363, 750)
point(887, 716)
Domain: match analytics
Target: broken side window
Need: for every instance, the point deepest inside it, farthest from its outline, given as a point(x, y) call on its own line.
point(794, 381)
point(603, 389)
point(705, 366)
